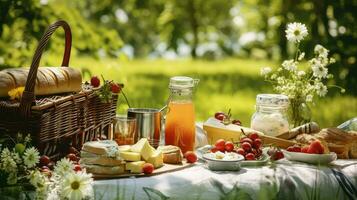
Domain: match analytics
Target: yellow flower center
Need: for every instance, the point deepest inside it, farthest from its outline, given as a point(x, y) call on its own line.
point(296, 32)
point(75, 185)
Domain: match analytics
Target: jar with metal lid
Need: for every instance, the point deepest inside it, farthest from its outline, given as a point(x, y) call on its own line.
point(180, 118)
point(271, 116)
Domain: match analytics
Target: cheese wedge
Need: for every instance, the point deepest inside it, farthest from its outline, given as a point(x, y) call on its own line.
point(102, 147)
point(97, 169)
point(135, 167)
point(157, 159)
point(124, 148)
point(130, 156)
point(144, 148)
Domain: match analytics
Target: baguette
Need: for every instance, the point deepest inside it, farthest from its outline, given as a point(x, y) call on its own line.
point(50, 80)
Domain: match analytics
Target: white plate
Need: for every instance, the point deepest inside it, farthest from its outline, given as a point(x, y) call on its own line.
point(223, 165)
point(321, 159)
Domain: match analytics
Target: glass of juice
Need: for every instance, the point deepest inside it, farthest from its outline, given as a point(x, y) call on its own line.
point(180, 118)
point(124, 130)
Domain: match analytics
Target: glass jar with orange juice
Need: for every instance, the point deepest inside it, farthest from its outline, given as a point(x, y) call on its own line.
point(180, 118)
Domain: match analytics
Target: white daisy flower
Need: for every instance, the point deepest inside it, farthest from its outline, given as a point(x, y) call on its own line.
point(31, 157)
point(301, 73)
point(7, 163)
point(318, 69)
point(309, 98)
point(301, 56)
point(321, 51)
point(296, 32)
point(289, 65)
point(321, 89)
point(77, 186)
point(265, 70)
point(63, 167)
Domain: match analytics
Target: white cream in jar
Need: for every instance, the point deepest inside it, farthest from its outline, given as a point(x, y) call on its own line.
point(271, 116)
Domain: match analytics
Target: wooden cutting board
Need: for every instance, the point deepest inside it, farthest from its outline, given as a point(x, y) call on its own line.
point(164, 169)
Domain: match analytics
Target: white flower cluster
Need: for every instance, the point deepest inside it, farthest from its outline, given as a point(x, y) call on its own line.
point(62, 183)
point(295, 83)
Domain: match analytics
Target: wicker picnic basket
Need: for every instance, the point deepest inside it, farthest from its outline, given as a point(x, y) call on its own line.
point(59, 121)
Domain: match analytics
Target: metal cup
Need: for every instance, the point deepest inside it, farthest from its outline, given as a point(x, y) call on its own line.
point(149, 123)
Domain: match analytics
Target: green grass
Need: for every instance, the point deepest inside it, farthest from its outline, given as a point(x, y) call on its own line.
point(224, 84)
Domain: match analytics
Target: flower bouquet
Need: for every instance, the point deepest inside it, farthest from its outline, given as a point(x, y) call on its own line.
point(22, 178)
point(301, 86)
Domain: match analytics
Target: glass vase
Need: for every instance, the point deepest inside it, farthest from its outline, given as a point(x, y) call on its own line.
point(299, 112)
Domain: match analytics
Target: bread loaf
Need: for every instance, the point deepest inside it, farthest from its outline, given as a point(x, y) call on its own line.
point(50, 80)
point(98, 169)
point(171, 154)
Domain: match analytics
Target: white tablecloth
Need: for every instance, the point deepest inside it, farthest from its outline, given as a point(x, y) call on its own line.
point(281, 180)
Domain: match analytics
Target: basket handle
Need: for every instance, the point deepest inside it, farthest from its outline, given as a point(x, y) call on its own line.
point(28, 95)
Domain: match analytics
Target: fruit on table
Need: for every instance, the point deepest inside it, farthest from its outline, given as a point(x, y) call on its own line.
point(95, 81)
point(220, 145)
point(229, 146)
point(241, 151)
point(316, 147)
point(44, 160)
point(77, 168)
point(250, 156)
point(226, 118)
point(294, 148)
point(190, 157)
point(72, 157)
point(304, 149)
point(246, 146)
point(148, 168)
point(275, 153)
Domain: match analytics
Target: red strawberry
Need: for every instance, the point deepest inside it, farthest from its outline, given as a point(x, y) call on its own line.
point(304, 149)
point(95, 81)
point(220, 145)
point(214, 150)
point(316, 148)
point(115, 88)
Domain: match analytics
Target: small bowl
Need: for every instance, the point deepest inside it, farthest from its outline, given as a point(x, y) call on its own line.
point(223, 165)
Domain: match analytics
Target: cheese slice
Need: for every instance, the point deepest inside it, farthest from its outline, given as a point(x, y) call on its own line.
point(135, 167)
point(104, 161)
point(102, 147)
point(144, 148)
point(124, 148)
point(157, 159)
point(130, 156)
point(97, 169)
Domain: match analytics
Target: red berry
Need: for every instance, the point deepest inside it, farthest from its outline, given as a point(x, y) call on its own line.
point(44, 160)
point(316, 147)
point(253, 136)
point(77, 168)
point(246, 140)
point(246, 146)
point(277, 156)
point(250, 156)
point(259, 152)
point(94, 81)
point(237, 122)
point(220, 145)
point(72, 157)
point(241, 151)
point(294, 148)
point(148, 168)
point(257, 143)
point(115, 88)
point(220, 117)
point(304, 149)
point(229, 146)
point(214, 150)
point(190, 157)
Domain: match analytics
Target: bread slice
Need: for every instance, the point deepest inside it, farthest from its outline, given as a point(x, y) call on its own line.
point(171, 154)
point(107, 148)
point(103, 161)
point(98, 169)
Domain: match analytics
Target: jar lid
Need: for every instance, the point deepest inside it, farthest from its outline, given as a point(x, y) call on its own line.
point(272, 100)
point(182, 82)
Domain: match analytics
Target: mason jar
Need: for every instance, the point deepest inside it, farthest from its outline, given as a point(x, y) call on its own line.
point(271, 116)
